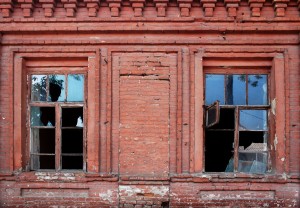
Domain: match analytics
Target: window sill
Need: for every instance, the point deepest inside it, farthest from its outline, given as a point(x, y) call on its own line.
point(235, 177)
point(64, 176)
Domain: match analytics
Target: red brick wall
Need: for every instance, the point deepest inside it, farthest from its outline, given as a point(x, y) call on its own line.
point(142, 62)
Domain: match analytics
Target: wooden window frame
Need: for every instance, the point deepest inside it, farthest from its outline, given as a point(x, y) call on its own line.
point(23, 61)
point(58, 106)
point(276, 62)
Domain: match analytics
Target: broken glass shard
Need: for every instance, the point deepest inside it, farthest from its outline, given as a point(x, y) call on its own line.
point(38, 87)
point(42, 116)
point(253, 120)
point(72, 117)
point(56, 88)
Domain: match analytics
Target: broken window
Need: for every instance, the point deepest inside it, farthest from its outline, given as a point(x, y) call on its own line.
point(238, 140)
point(57, 121)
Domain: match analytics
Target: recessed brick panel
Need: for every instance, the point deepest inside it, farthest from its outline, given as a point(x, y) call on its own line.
point(144, 115)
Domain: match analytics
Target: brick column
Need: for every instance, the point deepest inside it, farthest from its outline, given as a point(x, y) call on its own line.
point(208, 7)
point(161, 7)
point(93, 7)
point(70, 6)
point(6, 7)
point(185, 6)
point(232, 7)
point(27, 7)
point(279, 7)
point(49, 6)
point(256, 6)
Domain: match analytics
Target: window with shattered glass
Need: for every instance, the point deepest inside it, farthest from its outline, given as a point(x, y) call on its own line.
point(57, 121)
point(237, 128)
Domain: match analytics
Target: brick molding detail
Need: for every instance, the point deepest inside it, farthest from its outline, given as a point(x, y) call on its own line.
point(161, 7)
point(70, 6)
point(93, 7)
point(115, 7)
point(280, 7)
point(232, 7)
point(256, 6)
point(208, 7)
point(27, 7)
point(138, 6)
point(6, 7)
point(185, 6)
point(49, 6)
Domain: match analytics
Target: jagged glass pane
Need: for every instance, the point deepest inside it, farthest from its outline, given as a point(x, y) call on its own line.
point(38, 87)
point(56, 88)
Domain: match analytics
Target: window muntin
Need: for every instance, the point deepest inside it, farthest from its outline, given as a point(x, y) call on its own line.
point(57, 127)
point(239, 141)
point(236, 89)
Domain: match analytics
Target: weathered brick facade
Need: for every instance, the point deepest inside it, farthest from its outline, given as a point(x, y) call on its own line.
point(145, 64)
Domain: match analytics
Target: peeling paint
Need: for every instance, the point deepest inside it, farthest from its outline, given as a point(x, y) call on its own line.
point(107, 196)
point(160, 190)
point(273, 106)
point(275, 142)
point(55, 176)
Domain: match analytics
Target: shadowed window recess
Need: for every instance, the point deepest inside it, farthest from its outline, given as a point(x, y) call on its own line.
point(237, 129)
point(57, 121)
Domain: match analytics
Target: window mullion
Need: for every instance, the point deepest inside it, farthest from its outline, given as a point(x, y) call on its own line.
point(57, 137)
point(236, 139)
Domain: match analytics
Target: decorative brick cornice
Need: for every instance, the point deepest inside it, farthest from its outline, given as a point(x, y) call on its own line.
point(232, 7)
point(138, 6)
point(27, 7)
point(279, 7)
point(161, 7)
point(115, 7)
point(49, 6)
point(208, 7)
point(70, 6)
point(185, 6)
point(93, 7)
point(256, 6)
point(6, 7)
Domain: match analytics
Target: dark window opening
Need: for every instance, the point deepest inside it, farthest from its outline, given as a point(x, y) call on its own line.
point(72, 117)
point(72, 141)
point(57, 123)
point(237, 138)
point(218, 150)
point(72, 162)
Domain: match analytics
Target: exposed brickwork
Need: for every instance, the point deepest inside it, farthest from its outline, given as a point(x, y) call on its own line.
point(144, 62)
